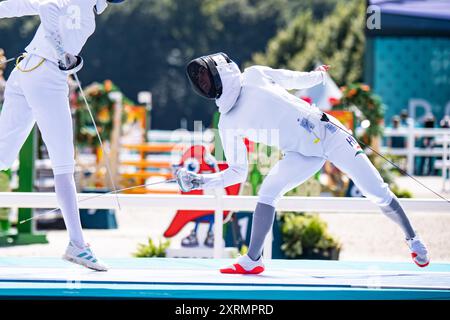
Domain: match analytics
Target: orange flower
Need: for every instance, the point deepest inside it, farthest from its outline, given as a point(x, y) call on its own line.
point(365, 87)
point(104, 116)
point(351, 93)
point(108, 85)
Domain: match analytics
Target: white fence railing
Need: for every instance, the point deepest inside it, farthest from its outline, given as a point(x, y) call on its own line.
point(441, 148)
point(181, 135)
point(218, 203)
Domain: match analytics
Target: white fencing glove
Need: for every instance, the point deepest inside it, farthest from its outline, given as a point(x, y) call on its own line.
point(67, 61)
point(188, 180)
point(70, 64)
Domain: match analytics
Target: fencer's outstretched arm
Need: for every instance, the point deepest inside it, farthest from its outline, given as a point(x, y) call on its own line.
point(18, 8)
point(236, 156)
point(290, 80)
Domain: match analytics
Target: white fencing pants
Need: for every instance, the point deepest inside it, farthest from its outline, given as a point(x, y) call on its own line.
point(288, 173)
point(344, 152)
point(40, 96)
point(295, 168)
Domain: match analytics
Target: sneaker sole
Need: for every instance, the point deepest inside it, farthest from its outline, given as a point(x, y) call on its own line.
point(414, 255)
point(421, 265)
point(83, 263)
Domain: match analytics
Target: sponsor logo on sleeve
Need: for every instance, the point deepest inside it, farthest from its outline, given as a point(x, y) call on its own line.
point(352, 142)
point(330, 127)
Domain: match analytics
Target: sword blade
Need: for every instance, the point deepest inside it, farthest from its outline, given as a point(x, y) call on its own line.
point(6, 61)
point(98, 136)
point(101, 195)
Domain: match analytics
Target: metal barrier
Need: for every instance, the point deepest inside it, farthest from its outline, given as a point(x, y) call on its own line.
point(441, 137)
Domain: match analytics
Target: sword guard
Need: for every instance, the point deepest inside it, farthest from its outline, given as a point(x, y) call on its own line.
point(77, 67)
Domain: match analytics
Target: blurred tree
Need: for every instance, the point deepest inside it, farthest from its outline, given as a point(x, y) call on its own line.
point(144, 45)
point(287, 43)
point(152, 41)
point(338, 40)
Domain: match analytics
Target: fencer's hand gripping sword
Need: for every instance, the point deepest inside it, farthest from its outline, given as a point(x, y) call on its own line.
point(79, 65)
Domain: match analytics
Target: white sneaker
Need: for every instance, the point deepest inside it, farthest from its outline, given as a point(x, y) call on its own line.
point(419, 252)
point(84, 257)
point(245, 265)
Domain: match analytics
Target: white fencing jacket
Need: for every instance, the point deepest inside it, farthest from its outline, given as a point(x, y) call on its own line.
point(256, 105)
point(65, 24)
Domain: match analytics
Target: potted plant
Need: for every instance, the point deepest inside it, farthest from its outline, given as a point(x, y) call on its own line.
point(151, 249)
point(305, 236)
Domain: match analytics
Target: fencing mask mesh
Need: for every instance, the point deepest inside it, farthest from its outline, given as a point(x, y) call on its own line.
point(204, 76)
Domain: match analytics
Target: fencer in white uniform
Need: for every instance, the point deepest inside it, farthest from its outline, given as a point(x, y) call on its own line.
point(256, 105)
point(37, 92)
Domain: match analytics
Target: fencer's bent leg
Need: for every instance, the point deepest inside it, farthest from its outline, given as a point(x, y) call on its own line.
point(288, 173)
point(395, 212)
point(16, 122)
point(263, 218)
point(345, 153)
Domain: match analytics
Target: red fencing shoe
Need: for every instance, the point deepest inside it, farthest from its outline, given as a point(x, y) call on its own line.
point(419, 252)
point(245, 265)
